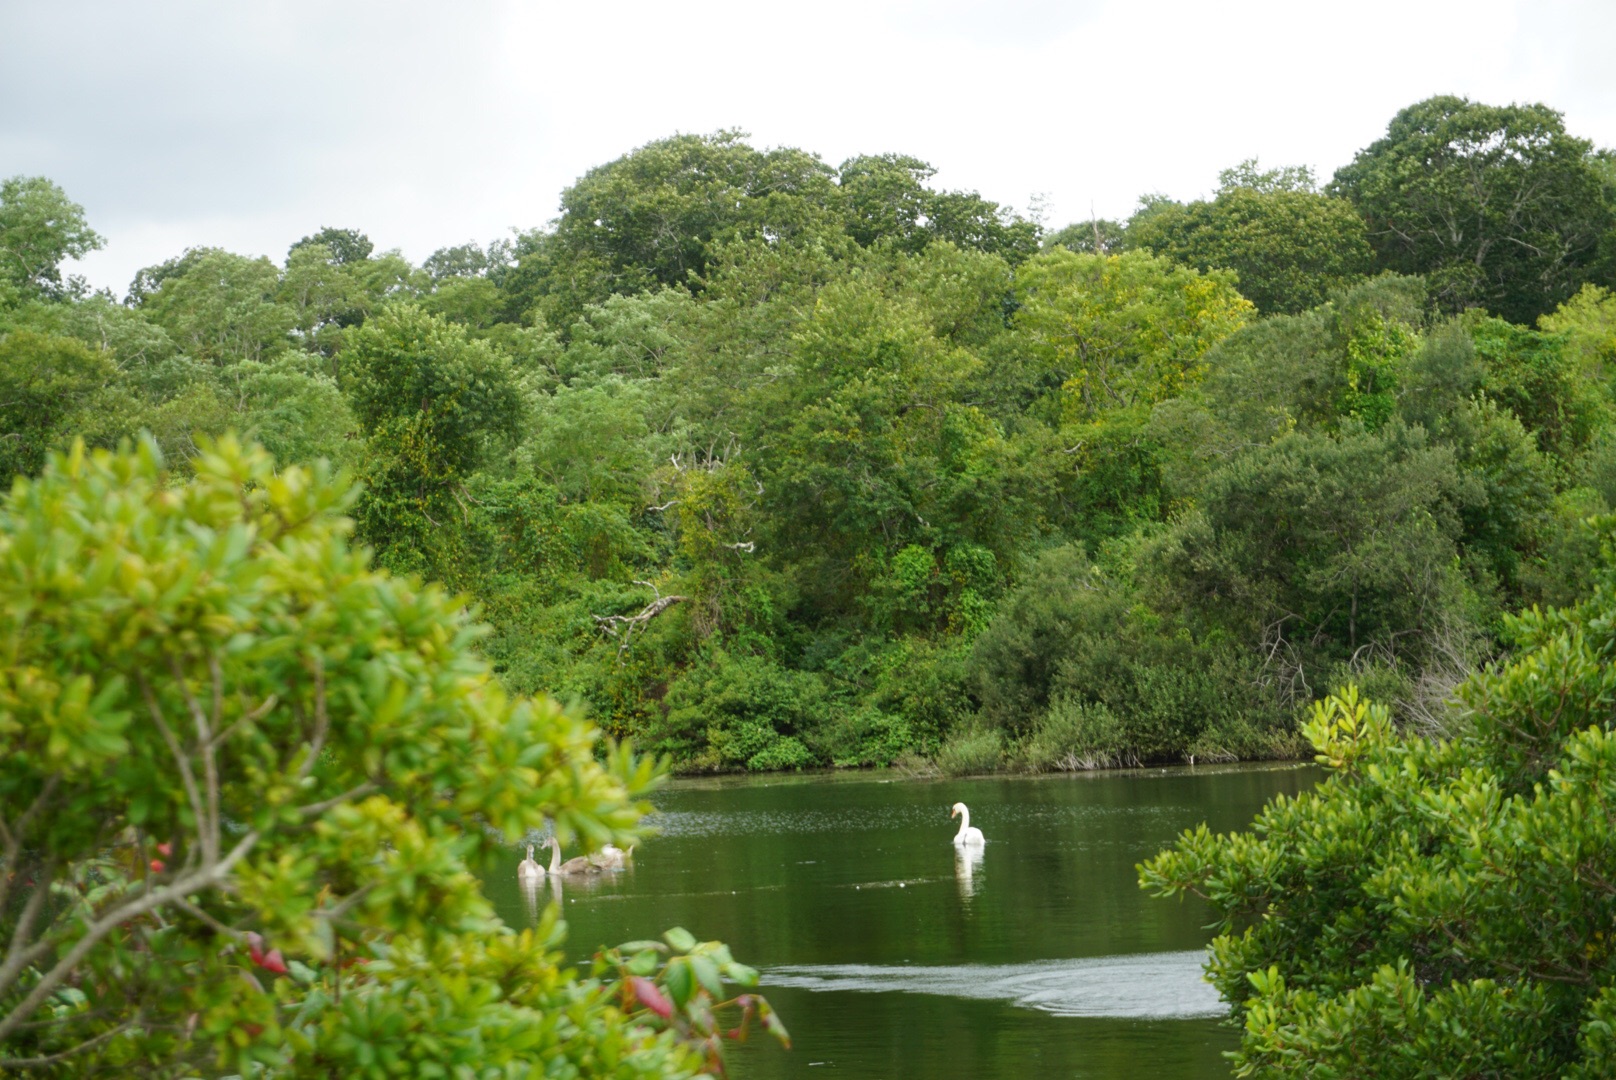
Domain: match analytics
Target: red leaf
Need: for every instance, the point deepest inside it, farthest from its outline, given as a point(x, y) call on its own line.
point(650, 996)
point(157, 866)
point(165, 850)
point(273, 961)
point(255, 947)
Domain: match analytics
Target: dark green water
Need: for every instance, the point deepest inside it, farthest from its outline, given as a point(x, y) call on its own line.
point(888, 956)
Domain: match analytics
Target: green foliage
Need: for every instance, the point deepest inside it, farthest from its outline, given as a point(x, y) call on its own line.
point(48, 385)
point(972, 750)
point(887, 202)
point(342, 246)
point(433, 405)
point(1497, 206)
point(39, 227)
point(1123, 329)
point(747, 711)
point(245, 778)
point(221, 307)
point(779, 464)
point(1329, 551)
point(1290, 246)
point(1085, 672)
point(1536, 377)
point(1432, 908)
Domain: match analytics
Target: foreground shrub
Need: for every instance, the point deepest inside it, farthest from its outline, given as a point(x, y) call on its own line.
point(243, 778)
point(1433, 908)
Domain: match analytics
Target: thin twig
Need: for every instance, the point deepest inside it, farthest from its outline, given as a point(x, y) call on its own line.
point(57, 1058)
point(187, 775)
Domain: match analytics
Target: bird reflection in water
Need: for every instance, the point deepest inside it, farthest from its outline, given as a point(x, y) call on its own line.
point(531, 887)
point(967, 863)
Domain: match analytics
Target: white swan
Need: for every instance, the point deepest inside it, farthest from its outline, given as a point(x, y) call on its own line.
point(611, 857)
point(966, 835)
point(528, 870)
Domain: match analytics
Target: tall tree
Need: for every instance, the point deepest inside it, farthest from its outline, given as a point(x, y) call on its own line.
point(39, 227)
point(1290, 245)
point(1497, 205)
point(886, 199)
point(433, 405)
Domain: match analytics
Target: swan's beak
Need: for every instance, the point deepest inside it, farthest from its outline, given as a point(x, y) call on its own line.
point(954, 812)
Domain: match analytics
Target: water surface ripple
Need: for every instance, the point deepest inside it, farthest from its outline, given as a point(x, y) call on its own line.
point(1155, 986)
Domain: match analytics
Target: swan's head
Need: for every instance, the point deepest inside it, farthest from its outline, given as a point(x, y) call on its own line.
point(959, 808)
point(530, 851)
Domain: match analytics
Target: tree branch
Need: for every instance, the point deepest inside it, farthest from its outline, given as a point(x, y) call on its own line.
point(187, 775)
point(211, 874)
point(87, 1044)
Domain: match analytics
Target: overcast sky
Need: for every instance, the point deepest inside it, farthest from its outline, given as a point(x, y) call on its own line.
point(249, 125)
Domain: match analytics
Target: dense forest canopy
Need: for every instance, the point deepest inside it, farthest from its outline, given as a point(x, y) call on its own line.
point(771, 463)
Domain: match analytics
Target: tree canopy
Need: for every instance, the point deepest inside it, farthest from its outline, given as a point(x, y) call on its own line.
point(775, 463)
point(1497, 205)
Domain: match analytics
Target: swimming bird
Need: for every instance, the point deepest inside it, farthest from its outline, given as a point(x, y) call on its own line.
point(527, 870)
point(579, 866)
point(611, 857)
point(966, 835)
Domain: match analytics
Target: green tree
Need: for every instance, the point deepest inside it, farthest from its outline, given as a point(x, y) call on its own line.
point(344, 245)
point(325, 297)
point(245, 780)
point(1542, 381)
point(1319, 551)
point(652, 216)
point(47, 384)
point(39, 227)
point(218, 306)
point(886, 200)
point(1290, 245)
point(1123, 330)
point(433, 406)
point(1099, 236)
point(1496, 205)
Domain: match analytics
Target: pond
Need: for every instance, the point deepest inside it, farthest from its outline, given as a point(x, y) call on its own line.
point(889, 956)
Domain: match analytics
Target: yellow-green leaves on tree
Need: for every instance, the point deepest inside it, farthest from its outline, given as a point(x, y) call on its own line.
point(1123, 329)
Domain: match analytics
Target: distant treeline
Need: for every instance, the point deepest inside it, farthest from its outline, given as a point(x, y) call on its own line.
point(776, 464)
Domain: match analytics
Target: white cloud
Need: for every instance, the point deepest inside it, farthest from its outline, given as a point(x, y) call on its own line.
point(427, 124)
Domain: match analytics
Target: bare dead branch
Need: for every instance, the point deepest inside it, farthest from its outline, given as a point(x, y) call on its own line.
point(623, 627)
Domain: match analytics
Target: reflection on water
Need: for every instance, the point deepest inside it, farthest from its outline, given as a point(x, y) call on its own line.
point(530, 887)
point(892, 953)
point(967, 861)
point(1156, 986)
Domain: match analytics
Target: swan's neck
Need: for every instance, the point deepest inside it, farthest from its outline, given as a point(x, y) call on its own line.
point(555, 856)
point(965, 823)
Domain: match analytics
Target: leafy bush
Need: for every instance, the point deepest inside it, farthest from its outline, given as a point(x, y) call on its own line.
point(1433, 908)
point(1074, 735)
point(973, 750)
point(243, 780)
point(736, 709)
